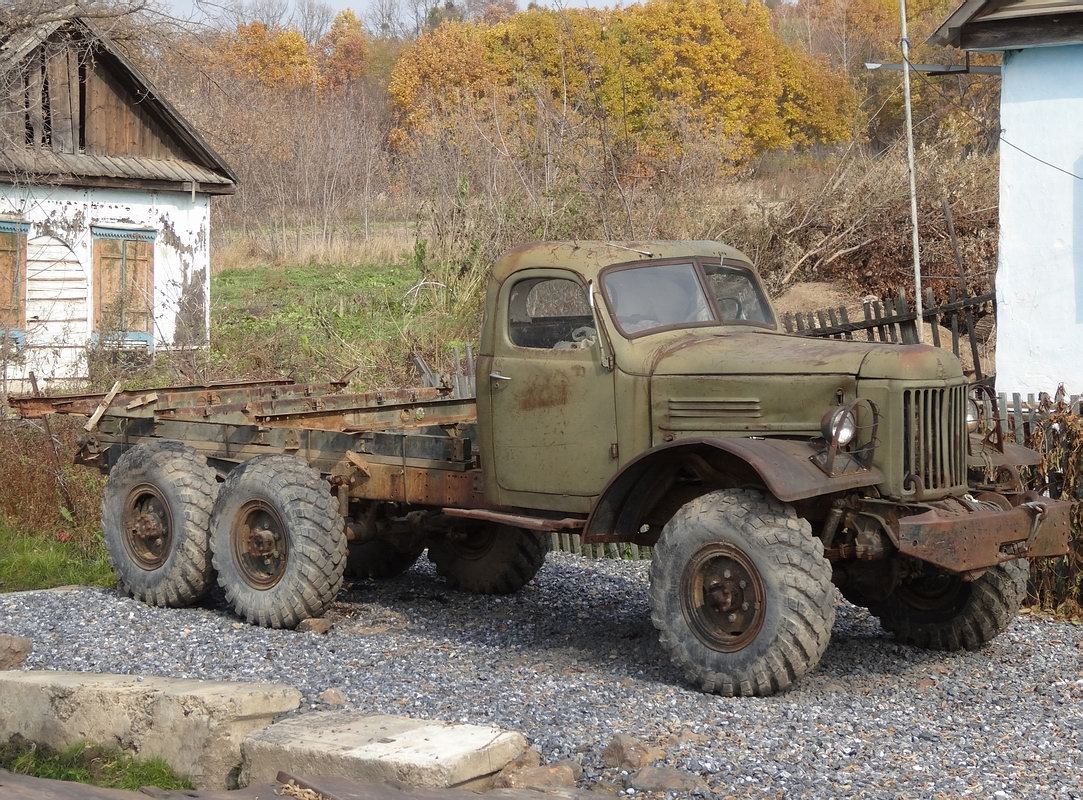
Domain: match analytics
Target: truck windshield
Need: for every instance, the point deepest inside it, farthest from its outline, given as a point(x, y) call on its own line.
point(654, 297)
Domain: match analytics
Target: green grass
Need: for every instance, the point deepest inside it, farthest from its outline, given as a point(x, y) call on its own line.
point(93, 765)
point(36, 561)
point(314, 322)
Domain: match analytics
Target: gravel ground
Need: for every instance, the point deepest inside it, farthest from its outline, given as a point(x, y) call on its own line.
point(573, 659)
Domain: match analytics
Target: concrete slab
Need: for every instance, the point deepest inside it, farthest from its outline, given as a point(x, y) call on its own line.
point(196, 727)
point(378, 748)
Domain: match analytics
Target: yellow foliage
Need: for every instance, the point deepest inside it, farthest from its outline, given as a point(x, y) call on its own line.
point(344, 51)
point(274, 58)
point(649, 75)
point(445, 68)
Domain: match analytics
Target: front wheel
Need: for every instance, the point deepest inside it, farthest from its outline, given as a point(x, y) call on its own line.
point(278, 541)
point(939, 611)
point(741, 593)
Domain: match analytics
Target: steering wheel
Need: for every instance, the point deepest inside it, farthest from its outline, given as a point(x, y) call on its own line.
point(582, 333)
point(727, 303)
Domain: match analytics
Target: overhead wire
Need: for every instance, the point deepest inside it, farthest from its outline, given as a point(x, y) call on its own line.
point(978, 120)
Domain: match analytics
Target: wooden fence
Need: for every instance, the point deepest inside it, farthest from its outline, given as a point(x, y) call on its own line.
point(964, 321)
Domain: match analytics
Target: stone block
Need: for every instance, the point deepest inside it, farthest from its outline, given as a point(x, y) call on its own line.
point(378, 748)
point(196, 727)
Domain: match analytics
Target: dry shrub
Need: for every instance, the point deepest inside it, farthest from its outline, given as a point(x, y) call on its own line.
point(1057, 583)
point(43, 494)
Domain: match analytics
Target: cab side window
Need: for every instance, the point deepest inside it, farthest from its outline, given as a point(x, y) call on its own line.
point(550, 314)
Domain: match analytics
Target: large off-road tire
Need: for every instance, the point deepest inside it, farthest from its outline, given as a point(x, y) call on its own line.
point(379, 559)
point(489, 559)
point(944, 612)
point(156, 513)
point(741, 593)
point(278, 542)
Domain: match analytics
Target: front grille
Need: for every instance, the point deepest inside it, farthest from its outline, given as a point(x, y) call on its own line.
point(934, 437)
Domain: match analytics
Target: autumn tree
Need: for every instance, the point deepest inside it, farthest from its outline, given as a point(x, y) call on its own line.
point(344, 51)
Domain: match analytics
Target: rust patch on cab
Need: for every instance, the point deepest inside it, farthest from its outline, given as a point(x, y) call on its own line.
point(542, 393)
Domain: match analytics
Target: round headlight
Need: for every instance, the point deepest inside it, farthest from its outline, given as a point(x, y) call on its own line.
point(839, 422)
point(972, 415)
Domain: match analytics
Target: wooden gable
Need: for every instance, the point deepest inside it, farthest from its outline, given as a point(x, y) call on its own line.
point(74, 109)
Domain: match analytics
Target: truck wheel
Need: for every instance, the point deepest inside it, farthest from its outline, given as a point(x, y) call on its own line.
point(278, 542)
point(490, 559)
point(741, 593)
point(944, 612)
point(379, 559)
point(156, 512)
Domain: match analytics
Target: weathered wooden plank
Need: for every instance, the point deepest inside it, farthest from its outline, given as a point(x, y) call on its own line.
point(845, 317)
point(13, 111)
point(954, 324)
point(60, 127)
point(973, 343)
point(1017, 418)
point(930, 305)
point(35, 85)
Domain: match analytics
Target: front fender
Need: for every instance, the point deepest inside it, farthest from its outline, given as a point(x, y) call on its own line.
point(784, 466)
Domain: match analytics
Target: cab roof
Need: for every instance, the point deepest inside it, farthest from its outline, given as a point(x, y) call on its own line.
point(590, 257)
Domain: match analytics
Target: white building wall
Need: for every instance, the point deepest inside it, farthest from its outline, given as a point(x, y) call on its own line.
point(60, 313)
point(1040, 274)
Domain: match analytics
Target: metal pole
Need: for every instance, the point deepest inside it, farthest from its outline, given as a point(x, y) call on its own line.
point(905, 43)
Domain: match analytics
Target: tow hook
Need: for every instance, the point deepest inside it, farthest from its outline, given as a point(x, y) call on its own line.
point(1036, 522)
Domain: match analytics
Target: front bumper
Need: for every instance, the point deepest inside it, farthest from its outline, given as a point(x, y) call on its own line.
point(965, 540)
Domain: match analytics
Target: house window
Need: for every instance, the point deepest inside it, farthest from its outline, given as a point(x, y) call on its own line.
point(12, 283)
point(123, 285)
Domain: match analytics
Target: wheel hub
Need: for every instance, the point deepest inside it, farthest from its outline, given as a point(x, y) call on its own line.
point(148, 527)
point(722, 597)
point(260, 544)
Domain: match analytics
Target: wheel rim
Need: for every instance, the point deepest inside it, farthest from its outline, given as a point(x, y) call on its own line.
point(934, 594)
point(148, 527)
point(473, 545)
point(260, 544)
point(723, 598)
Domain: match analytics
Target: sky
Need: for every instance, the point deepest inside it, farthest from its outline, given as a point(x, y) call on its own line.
point(187, 8)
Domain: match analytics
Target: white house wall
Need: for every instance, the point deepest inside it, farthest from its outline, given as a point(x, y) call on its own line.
point(1040, 274)
point(59, 295)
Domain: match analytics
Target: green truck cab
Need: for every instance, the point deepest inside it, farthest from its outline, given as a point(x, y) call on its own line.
point(647, 386)
point(634, 392)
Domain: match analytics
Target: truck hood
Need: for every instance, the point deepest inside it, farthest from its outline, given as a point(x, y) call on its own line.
point(768, 353)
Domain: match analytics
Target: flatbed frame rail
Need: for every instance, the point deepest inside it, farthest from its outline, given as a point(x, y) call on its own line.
point(411, 445)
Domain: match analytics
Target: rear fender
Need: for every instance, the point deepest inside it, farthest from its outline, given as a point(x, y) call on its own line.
point(637, 494)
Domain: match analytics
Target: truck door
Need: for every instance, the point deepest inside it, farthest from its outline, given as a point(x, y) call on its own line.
point(552, 402)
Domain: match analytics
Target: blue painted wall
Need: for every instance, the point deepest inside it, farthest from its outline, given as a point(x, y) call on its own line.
point(1040, 274)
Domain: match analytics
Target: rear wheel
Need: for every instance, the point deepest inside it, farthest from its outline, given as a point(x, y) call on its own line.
point(278, 541)
point(940, 611)
point(489, 559)
point(156, 514)
point(380, 559)
point(741, 593)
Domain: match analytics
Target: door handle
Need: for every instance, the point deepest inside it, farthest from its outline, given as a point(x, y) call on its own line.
point(496, 376)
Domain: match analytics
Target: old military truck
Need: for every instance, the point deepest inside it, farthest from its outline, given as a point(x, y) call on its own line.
point(630, 392)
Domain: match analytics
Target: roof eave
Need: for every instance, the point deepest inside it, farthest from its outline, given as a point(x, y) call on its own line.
point(949, 33)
